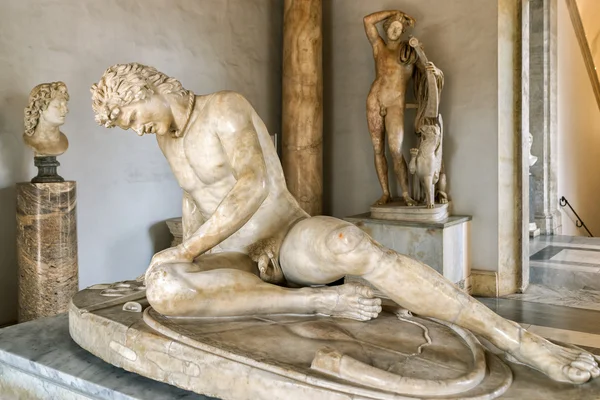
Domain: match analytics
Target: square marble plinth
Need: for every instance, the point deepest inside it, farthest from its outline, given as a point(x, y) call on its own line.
point(441, 245)
point(39, 360)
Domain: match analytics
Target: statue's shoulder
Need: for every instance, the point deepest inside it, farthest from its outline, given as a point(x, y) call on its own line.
point(226, 96)
point(227, 101)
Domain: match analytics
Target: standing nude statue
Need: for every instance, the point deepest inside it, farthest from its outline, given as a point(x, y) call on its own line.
point(395, 63)
point(237, 211)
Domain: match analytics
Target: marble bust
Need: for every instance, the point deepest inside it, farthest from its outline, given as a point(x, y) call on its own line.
point(44, 115)
point(250, 250)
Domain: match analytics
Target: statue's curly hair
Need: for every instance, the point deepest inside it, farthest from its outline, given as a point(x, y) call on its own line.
point(123, 84)
point(39, 99)
point(401, 17)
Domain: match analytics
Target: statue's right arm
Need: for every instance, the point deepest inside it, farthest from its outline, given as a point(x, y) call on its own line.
point(233, 124)
point(371, 21)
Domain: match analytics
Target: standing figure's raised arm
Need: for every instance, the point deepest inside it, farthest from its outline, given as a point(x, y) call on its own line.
point(371, 21)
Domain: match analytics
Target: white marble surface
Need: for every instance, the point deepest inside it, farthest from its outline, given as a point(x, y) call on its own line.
point(584, 256)
point(564, 262)
point(39, 360)
point(582, 298)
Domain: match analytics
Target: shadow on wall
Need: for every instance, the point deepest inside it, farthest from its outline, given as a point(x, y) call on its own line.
point(160, 236)
point(15, 165)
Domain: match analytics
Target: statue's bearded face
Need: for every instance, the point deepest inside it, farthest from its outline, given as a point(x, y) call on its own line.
point(152, 115)
point(395, 30)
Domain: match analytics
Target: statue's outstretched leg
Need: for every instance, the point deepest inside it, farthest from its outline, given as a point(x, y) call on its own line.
point(322, 249)
point(227, 285)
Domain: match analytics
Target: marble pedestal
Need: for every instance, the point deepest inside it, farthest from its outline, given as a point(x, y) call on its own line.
point(442, 245)
point(398, 211)
point(46, 248)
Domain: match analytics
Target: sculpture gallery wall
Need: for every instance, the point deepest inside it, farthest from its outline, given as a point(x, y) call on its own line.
point(46, 212)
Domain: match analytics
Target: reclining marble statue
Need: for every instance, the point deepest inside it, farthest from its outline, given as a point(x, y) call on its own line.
point(397, 61)
point(238, 213)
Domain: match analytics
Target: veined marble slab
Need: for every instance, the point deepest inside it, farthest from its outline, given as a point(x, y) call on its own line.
point(39, 360)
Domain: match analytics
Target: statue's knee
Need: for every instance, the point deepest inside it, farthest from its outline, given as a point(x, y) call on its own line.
point(160, 288)
point(344, 239)
point(378, 147)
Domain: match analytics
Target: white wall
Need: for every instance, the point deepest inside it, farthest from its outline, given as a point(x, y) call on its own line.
point(590, 15)
point(125, 188)
point(579, 129)
point(461, 38)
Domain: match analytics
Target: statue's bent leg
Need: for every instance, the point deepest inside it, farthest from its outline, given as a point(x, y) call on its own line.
point(226, 285)
point(376, 129)
point(322, 249)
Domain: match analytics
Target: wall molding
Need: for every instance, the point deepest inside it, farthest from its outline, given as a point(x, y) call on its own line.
point(484, 283)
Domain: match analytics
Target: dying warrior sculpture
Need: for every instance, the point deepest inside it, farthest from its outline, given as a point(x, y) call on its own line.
point(398, 61)
point(237, 212)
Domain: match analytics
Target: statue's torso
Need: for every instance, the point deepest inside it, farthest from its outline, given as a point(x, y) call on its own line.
point(202, 169)
point(394, 69)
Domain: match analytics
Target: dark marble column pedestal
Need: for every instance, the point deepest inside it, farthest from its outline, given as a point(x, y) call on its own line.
point(46, 248)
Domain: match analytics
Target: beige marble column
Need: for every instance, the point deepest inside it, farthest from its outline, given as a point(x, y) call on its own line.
point(46, 248)
point(302, 112)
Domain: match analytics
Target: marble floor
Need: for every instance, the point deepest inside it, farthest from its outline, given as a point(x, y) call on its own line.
point(565, 324)
point(564, 270)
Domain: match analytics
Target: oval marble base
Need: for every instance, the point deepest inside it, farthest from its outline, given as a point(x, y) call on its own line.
point(254, 358)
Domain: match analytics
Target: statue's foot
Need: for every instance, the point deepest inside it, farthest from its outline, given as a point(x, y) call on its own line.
point(443, 197)
point(409, 201)
point(430, 205)
point(386, 198)
point(351, 300)
point(559, 363)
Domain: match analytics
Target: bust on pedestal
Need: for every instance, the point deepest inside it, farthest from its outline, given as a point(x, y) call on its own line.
point(46, 216)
